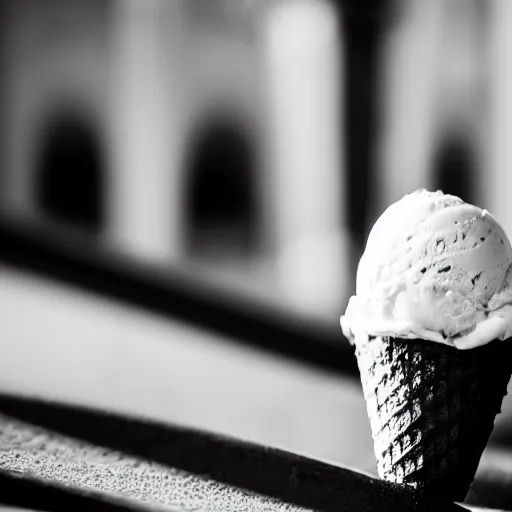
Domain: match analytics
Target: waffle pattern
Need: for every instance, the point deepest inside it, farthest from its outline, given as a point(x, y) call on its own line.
point(432, 409)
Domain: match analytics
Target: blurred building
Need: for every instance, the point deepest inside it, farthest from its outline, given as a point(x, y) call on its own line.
point(181, 131)
point(217, 132)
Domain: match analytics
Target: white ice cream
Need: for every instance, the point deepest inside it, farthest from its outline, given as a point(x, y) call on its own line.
point(434, 268)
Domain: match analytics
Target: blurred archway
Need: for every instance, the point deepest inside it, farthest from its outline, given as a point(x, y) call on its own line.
point(221, 191)
point(70, 173)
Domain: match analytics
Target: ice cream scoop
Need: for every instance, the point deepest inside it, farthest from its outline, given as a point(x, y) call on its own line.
point(434, 268)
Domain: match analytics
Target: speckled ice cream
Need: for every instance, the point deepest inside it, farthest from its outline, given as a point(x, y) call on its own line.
point(434, 268)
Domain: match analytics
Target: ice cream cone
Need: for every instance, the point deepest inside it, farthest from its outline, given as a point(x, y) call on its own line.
point(431, 321)
point(432, 408)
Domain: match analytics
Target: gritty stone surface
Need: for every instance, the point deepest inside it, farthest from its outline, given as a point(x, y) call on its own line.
point(34, 451)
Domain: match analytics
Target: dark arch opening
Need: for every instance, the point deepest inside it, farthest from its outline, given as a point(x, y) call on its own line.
point(454, 168)
point(70, 173)
point(221, 209)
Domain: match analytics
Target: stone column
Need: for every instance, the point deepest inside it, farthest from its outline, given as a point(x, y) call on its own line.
point(146, 131)
point(301, 40)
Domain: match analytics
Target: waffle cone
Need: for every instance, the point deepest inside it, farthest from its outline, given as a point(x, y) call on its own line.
point(432, 409)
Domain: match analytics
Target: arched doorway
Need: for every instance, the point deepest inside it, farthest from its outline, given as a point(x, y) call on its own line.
point(221, 192)
point(70, 173)
point(454, 168)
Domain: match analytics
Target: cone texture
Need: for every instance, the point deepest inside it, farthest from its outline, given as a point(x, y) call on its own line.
point(432, 408)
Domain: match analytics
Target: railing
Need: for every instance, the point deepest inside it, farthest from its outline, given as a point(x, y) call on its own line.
point(176, 295)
